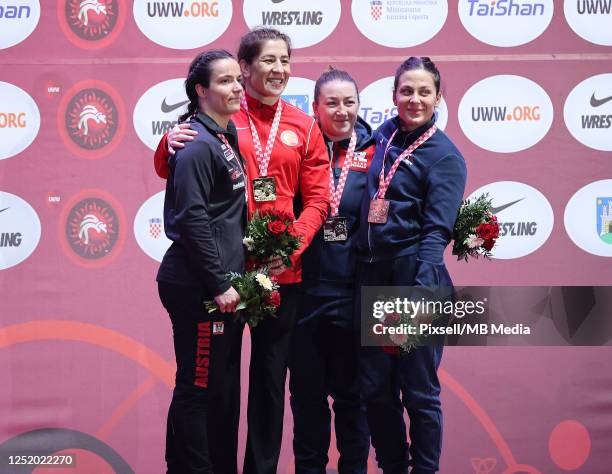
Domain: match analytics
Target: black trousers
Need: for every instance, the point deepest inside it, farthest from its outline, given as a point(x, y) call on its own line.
point(202, 430)
point(324, 362)
point(270, 342)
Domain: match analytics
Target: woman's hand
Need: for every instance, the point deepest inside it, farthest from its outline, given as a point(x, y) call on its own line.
point(180, 133)
point(228, 300)
point(275, 265)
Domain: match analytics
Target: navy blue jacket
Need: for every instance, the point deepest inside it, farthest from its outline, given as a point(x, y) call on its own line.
point(205, 210)
point(328, 268)
point(424, 199)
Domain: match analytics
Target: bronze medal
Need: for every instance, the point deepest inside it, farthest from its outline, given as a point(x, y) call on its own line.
point(379, 210)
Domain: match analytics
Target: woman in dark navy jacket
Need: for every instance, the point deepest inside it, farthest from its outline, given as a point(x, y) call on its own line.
point(324, 359)
point(205, 217)
point(406, 223)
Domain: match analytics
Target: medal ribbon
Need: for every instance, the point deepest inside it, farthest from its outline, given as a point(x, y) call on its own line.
point(383, 183)
point(335, 192)
point(226, 143)
point(263, 157)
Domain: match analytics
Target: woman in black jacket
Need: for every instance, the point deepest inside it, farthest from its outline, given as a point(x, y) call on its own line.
point(205, 217)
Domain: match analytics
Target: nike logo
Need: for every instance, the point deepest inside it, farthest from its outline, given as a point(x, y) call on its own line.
point(2, 210)
point(498, 209)
point(599, 102)
point(169, 108)
point(277, 1)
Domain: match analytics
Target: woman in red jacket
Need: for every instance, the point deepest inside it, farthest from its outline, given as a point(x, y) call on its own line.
point(283, 147)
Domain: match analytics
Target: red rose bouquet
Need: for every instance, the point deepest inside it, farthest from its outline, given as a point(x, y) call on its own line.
point(259, 296)
point(476, 229)
point(271, 234)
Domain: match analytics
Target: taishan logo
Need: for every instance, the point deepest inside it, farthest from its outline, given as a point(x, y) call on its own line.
point(18, 19)
point(178, 9)
point(91, 24)
point(91, 119)
point(505, 8)
point(93, 228)
point(15, 11)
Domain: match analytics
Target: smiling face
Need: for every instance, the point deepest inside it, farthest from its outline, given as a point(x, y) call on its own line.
point(416, 98)
point(267, 75)
point(336, 109)
point(221, 98)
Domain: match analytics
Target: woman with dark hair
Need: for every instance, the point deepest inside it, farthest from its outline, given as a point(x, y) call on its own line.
point(323, 352)
point(284, 151)
point(414, 190)
point(205, 217)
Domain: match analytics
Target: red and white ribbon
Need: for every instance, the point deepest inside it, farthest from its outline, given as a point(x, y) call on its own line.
point(263, 157)
point(335, 192)
point(383, 183)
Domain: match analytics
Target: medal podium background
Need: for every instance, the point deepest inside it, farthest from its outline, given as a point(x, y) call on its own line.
point(86, 358)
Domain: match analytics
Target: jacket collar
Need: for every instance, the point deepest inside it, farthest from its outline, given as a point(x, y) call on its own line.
point(213, 127)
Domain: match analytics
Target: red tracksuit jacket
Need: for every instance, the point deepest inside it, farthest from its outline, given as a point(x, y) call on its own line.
point(299, 163)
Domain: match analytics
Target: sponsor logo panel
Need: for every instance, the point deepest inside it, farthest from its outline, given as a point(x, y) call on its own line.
point(19, 230)
point(505, 113)
point(588, 218)
point(525, 218)
point(91, 24)
point(149, 227)
point(91, 119)
point(18, 19)
point(588, 112)
point(19, 120)
point(506, 22)
point(299, 93)
point(199, 22)
point(307, 23)
point(399, 23)
point(590, 19)
point(92, 228)
point(158, 110)
point(377, 104)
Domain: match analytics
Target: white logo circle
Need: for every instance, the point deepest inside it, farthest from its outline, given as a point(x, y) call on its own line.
point(399, 23)
point(525, 218)
point(186, 24)
point(588, 218)
point(505, 113)
point(18, 19)
point(19, 120)
point(158, 109)
point(506, 23)
point(19, 230)
point(149, 227)
point(299, 93)
point(377, 104)
point(590, 19)
point(588, 112)
point(307, 23)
